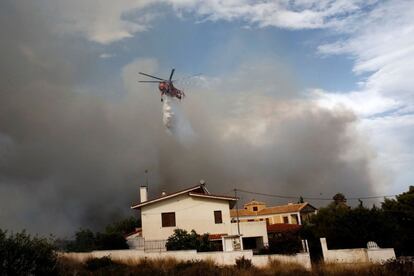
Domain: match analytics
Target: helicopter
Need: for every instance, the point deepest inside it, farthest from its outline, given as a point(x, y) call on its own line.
point(166, 87)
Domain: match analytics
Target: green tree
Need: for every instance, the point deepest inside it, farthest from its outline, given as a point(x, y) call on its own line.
point(110, 241)
point(84, 241)
point(346, 227)
point(22, 254)
point(339, 201)
point(112, 238)
point(124, 226)
point(284, 243)
point(400, 212)
point(182, 240)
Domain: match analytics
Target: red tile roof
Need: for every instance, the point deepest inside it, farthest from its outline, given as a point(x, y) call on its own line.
point(136, 231)
point(283, 228)
point(215, 236)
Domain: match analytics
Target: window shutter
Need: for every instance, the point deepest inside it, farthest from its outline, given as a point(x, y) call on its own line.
point(217, 217)
point(168, 219)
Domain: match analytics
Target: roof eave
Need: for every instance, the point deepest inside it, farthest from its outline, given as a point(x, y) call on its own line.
point(137, 206)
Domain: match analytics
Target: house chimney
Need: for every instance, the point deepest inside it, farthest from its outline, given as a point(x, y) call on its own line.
point(143, 193)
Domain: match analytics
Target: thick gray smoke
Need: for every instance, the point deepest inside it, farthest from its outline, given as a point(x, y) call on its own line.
point(70, 157)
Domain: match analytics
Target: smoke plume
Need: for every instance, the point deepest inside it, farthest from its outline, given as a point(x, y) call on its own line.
point(75, 140)
point(176, 122)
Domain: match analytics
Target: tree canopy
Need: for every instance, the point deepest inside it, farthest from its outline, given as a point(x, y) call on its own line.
point(344, 227)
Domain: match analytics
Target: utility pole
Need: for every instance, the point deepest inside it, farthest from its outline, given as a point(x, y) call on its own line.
point(237, 211)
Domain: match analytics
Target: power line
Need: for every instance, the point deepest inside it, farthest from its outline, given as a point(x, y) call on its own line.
point(310, 198)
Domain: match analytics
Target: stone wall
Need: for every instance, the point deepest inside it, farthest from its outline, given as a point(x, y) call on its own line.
point(356, 255)
point(221, 258)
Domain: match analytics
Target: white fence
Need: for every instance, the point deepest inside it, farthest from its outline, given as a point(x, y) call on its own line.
point(356, 255)
point(155, 245)
point(221, 258)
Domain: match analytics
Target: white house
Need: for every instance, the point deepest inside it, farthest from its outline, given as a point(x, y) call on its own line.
point(196, 208)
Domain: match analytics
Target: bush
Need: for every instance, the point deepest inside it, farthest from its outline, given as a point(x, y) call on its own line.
point(182, 240)
point(399, 267)
point(22, 254)
point(93, 264)
point(243, 263)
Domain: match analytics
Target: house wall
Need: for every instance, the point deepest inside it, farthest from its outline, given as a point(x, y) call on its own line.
point(190, 213)
point(251, 229)
point(277, 219)
point(273, 218)
point(135, 242)
point(221, 258)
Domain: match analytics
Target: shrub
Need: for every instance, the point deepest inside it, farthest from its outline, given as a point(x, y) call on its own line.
point(243, 263)
point(98, 263)
point(22, 254)
point(182, 240)
point(400, 267)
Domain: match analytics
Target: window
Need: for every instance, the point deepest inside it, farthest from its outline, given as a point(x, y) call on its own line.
point(168, 219)
point(255, 208)
point(217, 217)
point(285, 220)
point(294, 218)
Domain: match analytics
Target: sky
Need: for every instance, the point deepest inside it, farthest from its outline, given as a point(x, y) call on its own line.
point(295, 97)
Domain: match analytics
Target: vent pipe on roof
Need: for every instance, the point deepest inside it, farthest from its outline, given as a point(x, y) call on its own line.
point(143, 193)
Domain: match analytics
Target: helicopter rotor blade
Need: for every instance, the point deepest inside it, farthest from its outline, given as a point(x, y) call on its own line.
point(151, 76)
point(172, 73)
point(187, 77)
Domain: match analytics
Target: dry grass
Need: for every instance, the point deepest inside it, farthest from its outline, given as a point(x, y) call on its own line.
point(275, 267)
point(170, 266)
